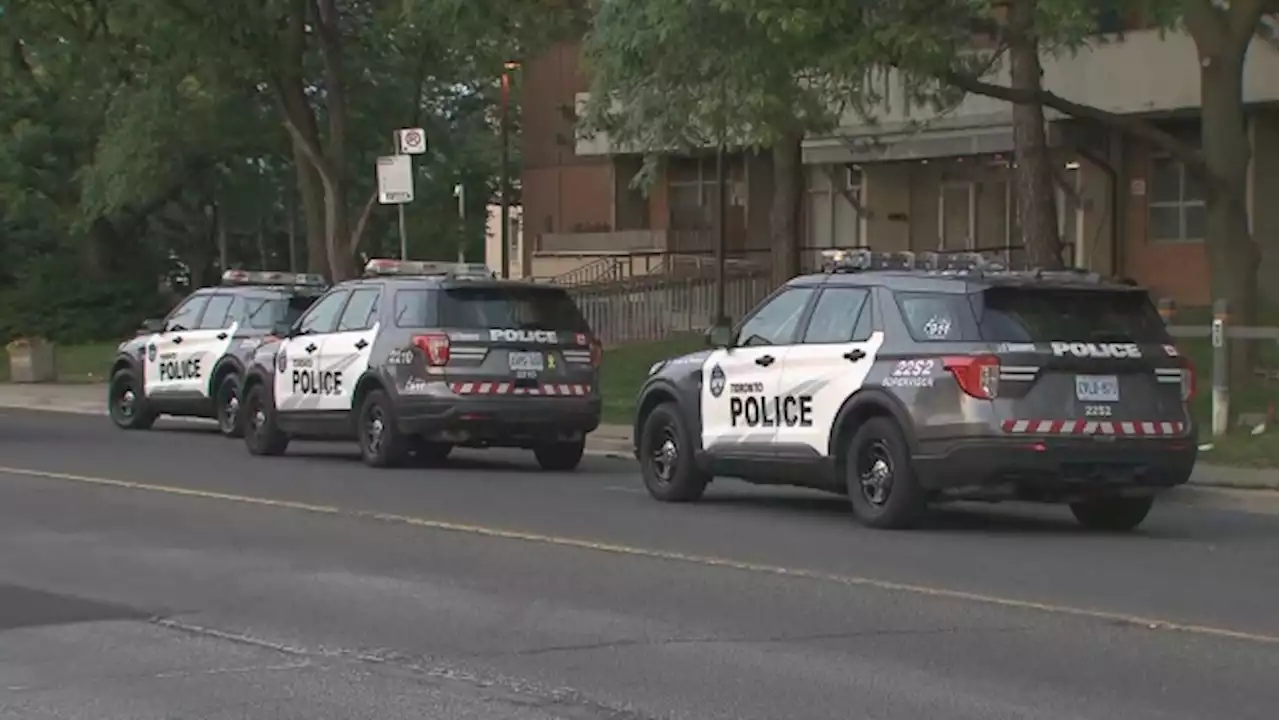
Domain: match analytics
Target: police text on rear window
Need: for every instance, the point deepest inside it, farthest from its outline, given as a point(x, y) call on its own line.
point(524, 308)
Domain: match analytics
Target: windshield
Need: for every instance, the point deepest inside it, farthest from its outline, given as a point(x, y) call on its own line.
point(1040, 315)
point(504, 307)
point(270, 313)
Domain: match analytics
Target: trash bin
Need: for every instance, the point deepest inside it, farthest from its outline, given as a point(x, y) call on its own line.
point(31, 360)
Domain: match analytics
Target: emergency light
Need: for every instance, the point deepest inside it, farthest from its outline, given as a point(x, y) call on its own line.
point(938, 262)
point(263, 277)
point(387, 266)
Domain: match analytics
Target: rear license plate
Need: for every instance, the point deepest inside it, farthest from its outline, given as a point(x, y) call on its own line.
point(1097, 388)
point(525, 361)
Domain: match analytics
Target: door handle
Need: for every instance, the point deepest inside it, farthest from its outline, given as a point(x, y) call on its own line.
point(177, 339)
point(764, 360)
point(362, 344)
point(222, 336)
point(854, 355)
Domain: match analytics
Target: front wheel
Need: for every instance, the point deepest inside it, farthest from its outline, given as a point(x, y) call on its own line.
point(262, 433)
point(1112, 514)
point(666, 458)
point(382, 444)
point(560, 456)
point(226, 405)
point(127, 404)
point(880, 478)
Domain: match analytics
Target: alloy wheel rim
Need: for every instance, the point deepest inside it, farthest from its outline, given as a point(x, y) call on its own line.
point(664, 455)
point(875, 472)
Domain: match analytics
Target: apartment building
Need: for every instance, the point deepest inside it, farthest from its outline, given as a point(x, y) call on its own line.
point(918, 179)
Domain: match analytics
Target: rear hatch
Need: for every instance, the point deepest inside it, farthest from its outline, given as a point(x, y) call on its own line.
point(1092, 361)
point(517, 339)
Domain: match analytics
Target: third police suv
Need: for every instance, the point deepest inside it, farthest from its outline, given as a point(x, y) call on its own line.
point(903, 379)
point(417, 358)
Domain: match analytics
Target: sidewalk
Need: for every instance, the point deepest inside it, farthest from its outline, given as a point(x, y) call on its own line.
point(611, 440)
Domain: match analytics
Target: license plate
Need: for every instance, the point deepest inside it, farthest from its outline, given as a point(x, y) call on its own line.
point(1097, 388)
point(525, 361)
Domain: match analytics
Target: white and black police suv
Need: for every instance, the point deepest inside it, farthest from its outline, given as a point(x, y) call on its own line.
point(417, 358)
point(903, 379)
point(190, 363)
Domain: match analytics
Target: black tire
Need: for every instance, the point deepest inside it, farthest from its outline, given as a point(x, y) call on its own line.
point(382, 445)
point(1112, 514)
point(666, 458)
point(127, 403)
point(560, 456)
point(880, 478)
point(431, 453)
point(262, 433)
point(226, 407)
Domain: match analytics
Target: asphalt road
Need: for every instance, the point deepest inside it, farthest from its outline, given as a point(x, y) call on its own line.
point(168, 575)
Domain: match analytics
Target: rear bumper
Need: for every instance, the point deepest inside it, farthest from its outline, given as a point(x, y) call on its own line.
point(1054, 468)
point(498, 421)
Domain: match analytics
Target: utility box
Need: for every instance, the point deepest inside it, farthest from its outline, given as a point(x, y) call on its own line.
point(32, 360)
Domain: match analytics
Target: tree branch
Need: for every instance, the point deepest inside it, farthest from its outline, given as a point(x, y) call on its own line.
point(365, 214)
point(1134, 127)
point(1243, 19)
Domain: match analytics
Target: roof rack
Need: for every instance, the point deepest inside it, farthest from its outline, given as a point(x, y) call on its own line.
point(268, 277)
point(388, 266)
point(943, 262)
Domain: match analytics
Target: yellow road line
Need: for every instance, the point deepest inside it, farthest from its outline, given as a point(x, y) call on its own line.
point(703, 560)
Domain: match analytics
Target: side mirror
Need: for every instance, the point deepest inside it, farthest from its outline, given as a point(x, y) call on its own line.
point(152, 325)
point(719, 336)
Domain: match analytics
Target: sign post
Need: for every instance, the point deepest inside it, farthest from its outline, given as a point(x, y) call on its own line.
point(460, 192)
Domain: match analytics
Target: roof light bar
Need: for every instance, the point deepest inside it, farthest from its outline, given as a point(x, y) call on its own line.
point(943, 262)
point(388, 266)
point(266, 277)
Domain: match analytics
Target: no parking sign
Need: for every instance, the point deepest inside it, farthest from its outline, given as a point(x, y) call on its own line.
point(411, 141)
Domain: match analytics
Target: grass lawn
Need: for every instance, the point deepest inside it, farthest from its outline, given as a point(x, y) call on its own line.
point(76, 363)
point(626, 367)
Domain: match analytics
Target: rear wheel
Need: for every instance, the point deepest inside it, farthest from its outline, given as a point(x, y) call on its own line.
point(880, 478)
point(127, 404)
point(1112, 514)
point(262, 433)
point(666, 458)
point(226, 405)
point(561, 456)
point(382, 444)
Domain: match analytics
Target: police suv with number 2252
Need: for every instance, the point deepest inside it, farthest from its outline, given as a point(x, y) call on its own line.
point(421, 357)
point(190, 363)
point(903, 379)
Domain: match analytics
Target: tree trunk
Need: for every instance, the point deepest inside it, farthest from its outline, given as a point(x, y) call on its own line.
point(1033, 171)
point(1233, 254)
point(784, 215)
point(312, 196)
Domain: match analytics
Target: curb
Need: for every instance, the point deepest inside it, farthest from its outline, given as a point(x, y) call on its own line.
point(614, 448)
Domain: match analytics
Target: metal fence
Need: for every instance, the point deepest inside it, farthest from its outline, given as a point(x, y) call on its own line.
point(655, 307)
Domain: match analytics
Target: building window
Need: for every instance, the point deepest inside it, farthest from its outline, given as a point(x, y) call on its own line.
point(833, 220)
point(1176, 209)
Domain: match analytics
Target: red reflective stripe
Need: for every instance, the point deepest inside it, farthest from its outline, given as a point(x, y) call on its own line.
point(1128, 428)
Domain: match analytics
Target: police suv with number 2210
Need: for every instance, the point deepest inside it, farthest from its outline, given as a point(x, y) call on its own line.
point(190, 363)
point(903, 379)
point(421, 357)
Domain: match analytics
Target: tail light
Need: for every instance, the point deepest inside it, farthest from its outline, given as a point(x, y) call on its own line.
point(1188, 378)
point(977, 375)
point(597, 354)
point(435, 346)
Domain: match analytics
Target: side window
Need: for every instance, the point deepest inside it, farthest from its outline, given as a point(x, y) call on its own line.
point(837, 316)
point(775, 322)
point(412, 308)
point(361, 310)
point(217, 313)
point(938, 317)
point(323, 316)
point(186, 315)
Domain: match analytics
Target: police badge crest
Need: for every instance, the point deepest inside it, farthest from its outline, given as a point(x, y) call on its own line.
point(716, 385)
point(282, 362)
point(151, 352)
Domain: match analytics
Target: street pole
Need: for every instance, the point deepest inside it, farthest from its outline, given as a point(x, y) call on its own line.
point(404, 235)
point(722, 213)
point(503, 180)
point(460, 191)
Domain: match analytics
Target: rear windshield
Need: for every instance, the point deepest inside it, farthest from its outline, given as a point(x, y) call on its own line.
point(270, 313)
point(526, 308)
point(1021, 315)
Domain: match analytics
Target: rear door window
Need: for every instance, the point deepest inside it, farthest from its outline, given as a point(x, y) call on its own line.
point(507, 307)
point(1020, 315)
point(938, 317)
